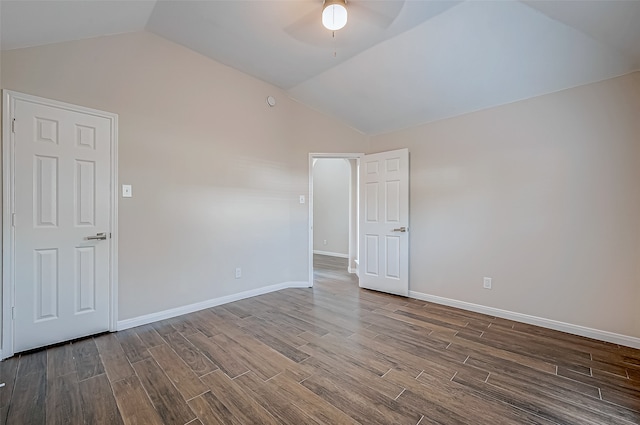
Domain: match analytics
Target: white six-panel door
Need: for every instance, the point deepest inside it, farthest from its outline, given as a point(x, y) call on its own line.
point(384, 222)
point(62, 202)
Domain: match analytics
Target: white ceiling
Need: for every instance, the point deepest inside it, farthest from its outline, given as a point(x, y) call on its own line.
point(396, 64)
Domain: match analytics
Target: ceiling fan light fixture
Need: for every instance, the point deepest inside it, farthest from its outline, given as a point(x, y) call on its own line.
point(334, 14)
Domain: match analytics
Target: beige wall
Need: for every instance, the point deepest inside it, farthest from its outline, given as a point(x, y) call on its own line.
point(541, 195)
point(331, 205)
point(216, 173)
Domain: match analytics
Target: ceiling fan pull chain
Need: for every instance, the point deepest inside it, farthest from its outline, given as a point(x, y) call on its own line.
point(335, 53)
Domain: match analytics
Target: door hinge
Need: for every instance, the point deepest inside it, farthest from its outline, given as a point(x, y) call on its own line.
point(13, 313)
point(13, 219)
point(13, 125)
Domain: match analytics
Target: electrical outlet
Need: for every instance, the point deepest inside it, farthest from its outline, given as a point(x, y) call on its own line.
point(302, 199)
point(486, 283)
point(238, 272)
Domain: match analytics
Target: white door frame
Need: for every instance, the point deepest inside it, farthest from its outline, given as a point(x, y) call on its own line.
point(8, 209)
point(313, 156)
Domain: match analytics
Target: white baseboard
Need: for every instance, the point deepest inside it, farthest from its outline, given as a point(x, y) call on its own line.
point(179, 311)
point(612, 337)
point(331, 254)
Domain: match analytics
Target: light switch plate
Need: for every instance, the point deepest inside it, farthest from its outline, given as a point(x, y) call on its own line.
point(486, 283)
point(126, 191)
point(302, 199)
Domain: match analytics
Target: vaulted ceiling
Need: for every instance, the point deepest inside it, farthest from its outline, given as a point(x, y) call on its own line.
point(396, 64)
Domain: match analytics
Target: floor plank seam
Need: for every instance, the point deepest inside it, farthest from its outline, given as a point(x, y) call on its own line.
point(237, 376)
point(199, 395)
point(274, 376)
point(146, 392)
point(305, 379)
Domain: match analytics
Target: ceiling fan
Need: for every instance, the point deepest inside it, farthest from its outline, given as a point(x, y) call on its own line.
point(352, 18)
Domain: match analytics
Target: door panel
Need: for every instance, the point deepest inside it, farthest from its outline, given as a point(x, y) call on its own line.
point(384, 212)
point(85, 194)
point(371, 256)
point(46, 191)
point(46, 281)
point(393, 257)
point(85, 279)
point(62, 186)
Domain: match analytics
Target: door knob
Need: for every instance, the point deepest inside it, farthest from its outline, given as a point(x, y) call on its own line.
point(98, 237)
point(400, 229)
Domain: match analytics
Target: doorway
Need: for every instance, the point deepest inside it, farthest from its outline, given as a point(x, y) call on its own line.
point(59, 222)
point(333, 213)
point(381, 226)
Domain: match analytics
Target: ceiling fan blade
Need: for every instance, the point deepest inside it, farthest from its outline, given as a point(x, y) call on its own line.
point(309, 29)
point(309, 20)
point(379, 13)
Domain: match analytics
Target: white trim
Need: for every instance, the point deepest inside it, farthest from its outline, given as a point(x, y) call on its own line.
point(612, 337)
point(7, 233)
point(113, 240)
point(331, 254)
point(8, 207)
point(179, 311)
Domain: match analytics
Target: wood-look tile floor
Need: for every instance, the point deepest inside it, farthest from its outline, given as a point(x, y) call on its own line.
point(334, 354)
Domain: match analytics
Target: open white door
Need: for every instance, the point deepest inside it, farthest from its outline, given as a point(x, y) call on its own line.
point(61, 221)
point(384, 222)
